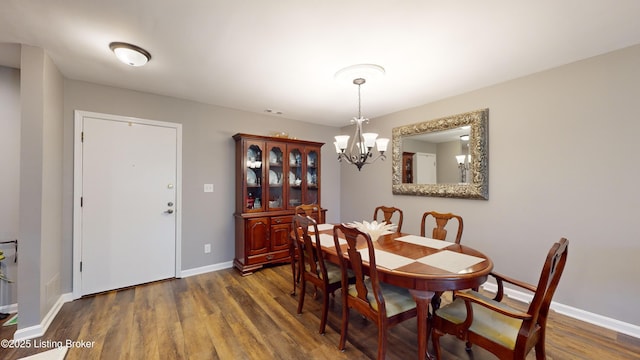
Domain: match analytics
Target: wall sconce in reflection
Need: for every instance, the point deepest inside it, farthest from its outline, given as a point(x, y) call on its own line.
point(463, 164)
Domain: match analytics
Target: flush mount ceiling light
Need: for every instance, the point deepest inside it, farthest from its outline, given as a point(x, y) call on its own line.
point(130, 54)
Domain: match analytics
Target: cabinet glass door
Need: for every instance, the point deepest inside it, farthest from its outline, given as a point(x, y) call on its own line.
point(312, 177)
point(275, 177)
point(295, 177)
point(254, 176)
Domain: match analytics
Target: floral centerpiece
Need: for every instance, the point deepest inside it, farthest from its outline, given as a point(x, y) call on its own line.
point(374, 228)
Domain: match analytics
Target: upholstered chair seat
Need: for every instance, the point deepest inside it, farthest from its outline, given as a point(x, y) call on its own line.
point(397, 299)
point(334, 273)
point(487, 323)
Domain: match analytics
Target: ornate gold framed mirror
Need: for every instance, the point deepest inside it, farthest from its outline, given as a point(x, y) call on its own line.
point(446, 157)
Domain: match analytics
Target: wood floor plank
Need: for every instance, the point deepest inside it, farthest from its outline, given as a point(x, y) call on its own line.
point(223, 315)
point(144, 343)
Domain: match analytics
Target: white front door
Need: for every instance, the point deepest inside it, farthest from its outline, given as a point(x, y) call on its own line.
point(129, 190)
point(424, 165)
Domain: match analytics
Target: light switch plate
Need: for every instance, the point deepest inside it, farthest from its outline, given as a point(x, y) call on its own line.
point(208, 187)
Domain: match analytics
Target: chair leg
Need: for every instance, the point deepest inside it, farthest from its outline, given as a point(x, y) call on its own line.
point(293, 274)
point(303, 288)
point(345, 325)
point(325, 312)
point(436, 342)
point(539, 348)
point(382, 341)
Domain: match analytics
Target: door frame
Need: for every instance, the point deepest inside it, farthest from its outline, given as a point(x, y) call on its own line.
point(79, 115)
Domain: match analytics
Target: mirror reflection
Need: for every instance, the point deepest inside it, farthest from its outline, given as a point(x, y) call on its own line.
point(444, 157)
point(440, 157)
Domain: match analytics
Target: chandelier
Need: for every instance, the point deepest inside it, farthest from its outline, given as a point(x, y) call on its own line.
point(359, 153)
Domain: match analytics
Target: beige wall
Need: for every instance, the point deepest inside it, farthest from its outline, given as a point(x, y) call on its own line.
point(562, 145)
point(40, 225)
point(208, 157)
point(10, 179)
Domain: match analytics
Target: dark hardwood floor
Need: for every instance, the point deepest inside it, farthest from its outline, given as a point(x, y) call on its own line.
point(223, 315)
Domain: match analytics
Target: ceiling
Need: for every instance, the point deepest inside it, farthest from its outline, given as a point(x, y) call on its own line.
point(282, 55)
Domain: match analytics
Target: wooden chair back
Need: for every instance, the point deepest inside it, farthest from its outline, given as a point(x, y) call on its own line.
point(547, 285)
point(441, 220)
point(519, 332)
point(312, 265)
point(308, 246)
point(388, 213)
point(310, 210)
point(307, 209)
point(366, 295)
point(355, 264)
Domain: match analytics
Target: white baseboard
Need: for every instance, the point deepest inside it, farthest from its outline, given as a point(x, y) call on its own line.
point(206, 269)
point(595, 319)
point(39, 330)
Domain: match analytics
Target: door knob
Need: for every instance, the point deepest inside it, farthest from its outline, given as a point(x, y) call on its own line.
point(170, 211)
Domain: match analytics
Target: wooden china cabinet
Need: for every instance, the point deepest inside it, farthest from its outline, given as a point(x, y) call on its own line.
point(273, 176)
point(407, 167)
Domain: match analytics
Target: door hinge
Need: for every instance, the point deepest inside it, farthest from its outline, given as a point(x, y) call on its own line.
point(81, 201)
point(80, 266)
point(82, 136)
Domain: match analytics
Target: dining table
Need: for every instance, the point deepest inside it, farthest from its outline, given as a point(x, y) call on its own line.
point(422, 265)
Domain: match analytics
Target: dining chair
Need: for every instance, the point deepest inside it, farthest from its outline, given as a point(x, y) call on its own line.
point(388, 213)
point(323, 275)
point(441, 220)
point(497, 327)
point(382, 303)
point(306, 210)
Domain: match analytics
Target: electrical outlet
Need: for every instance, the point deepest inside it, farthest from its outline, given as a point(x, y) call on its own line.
point(207, 248)
point(208, 187)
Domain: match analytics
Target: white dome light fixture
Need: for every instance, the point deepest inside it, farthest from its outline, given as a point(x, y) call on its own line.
point(130, 54)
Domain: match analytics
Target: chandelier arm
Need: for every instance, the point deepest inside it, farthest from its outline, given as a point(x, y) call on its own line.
point(360, 161)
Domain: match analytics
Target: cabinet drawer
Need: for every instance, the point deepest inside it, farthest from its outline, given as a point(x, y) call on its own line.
point(277, 220)
point(269, 257)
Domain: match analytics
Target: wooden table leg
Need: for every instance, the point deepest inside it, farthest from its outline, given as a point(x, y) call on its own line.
point(423, 299)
